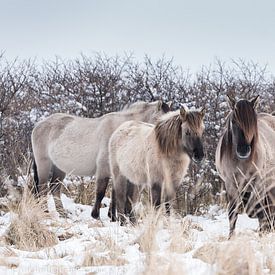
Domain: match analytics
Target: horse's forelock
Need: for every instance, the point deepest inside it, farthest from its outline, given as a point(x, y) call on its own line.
point(168, 133)
point(246, 118)
point(194, 121)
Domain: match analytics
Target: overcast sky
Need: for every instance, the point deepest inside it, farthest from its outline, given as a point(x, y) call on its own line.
point(193, 32)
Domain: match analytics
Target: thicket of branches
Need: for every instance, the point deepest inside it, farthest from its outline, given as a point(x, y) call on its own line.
point(93, 86)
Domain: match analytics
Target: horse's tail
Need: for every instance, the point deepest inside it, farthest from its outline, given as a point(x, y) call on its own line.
point(35, 188)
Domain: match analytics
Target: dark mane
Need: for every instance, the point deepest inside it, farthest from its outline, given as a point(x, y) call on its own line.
point(169, 131)
point(246, 118)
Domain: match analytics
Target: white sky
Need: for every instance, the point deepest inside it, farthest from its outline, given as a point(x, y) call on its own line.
point(193, 32)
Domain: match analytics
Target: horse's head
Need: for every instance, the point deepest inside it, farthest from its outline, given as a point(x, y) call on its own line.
point(243, 126)
point(159, 108)
point(192, 128)
point(148, 111)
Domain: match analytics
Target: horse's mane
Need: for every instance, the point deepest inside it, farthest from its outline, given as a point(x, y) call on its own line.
point(168, 130)
point(136, 107)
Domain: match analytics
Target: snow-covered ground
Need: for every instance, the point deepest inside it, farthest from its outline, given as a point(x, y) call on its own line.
point(181, 245)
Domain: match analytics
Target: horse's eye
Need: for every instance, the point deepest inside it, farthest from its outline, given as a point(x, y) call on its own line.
point(187, 133)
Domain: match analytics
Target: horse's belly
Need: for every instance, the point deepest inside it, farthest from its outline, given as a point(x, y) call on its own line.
point(73, 159)
point(135, 177)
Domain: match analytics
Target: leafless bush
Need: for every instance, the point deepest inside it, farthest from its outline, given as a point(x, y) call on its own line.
point(93, 86)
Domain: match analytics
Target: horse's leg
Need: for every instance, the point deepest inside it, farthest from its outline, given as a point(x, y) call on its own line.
point(120, 189)
point(55, 187)
point(167, 208)
point(131, 199)
point(101, 186)
point(266, 215)
point(169, 198)
point(112, 207)
point(232, 216)
point(156, 194)
point(44, 166)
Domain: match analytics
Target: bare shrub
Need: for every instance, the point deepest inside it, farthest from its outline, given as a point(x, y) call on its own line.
point(93, 86)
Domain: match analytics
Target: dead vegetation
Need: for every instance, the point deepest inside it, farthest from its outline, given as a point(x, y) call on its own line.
point(28, 229)
point(247, 254)
point(104, 252)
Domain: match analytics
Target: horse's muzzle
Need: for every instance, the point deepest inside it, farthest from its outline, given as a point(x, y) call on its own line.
point(243, 152)
point(198, 158)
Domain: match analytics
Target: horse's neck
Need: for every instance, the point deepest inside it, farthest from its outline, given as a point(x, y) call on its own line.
point(177, 166)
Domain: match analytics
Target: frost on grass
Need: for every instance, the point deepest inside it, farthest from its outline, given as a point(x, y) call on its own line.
point(104, 252)
point(28, 229)
point(244, 254)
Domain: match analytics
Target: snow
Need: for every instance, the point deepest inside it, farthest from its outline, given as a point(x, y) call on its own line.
point(96, 238)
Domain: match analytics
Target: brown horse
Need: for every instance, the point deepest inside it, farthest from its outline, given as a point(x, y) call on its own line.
point(245, 159)
point(156, 156)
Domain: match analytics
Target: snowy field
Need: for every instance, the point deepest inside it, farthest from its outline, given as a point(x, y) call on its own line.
point(157, 245)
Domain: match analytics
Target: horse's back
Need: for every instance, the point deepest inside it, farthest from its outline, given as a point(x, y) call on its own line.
point(52, 125)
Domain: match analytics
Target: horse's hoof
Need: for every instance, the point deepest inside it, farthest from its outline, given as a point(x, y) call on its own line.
point(95, 215)
point(113, 219)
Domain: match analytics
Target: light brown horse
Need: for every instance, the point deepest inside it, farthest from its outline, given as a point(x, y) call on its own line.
point(65, 144)
point(156, 156)
point(245, 159)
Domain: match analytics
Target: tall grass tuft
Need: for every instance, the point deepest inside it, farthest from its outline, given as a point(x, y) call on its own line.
point(28, 229)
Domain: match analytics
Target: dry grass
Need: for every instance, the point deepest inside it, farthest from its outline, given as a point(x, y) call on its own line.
point(181, 234)
point(28, 230)
point(104, 252)
point(151, 223)
point(9, 262)
point(238, 257)
point(83, 191)
point(244, 254)
point(167, 264)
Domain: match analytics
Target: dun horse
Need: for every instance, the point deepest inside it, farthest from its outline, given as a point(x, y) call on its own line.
point(245, 159)
point(64, 144)
point(157, 156)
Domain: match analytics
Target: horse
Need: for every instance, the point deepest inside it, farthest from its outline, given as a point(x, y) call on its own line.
point(245, 160)
point(156, 156)
point(66, 144)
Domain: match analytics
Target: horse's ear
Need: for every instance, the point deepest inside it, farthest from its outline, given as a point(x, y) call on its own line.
point(160, 102)
point(231, 101)
point(165, 107)
point(202, 112)
point(183, 114)
point(255, 101)
point(170, 103)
